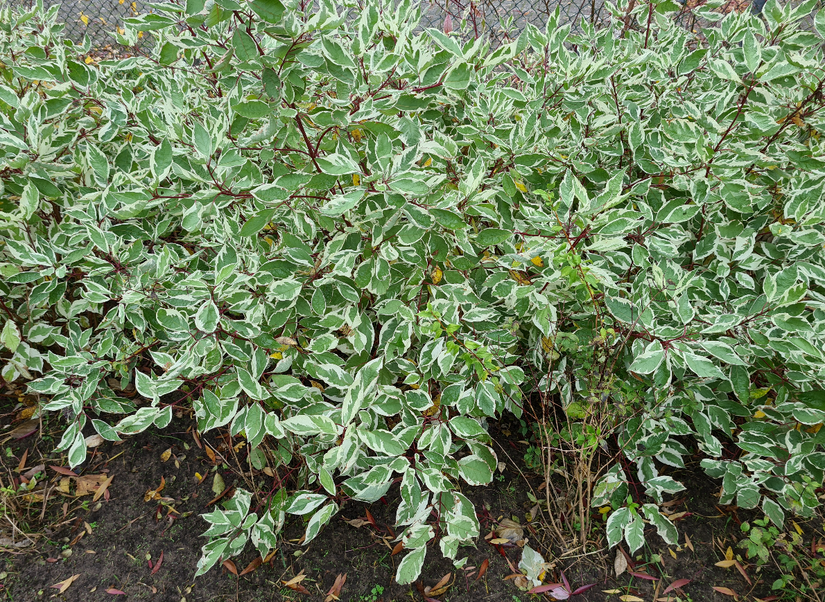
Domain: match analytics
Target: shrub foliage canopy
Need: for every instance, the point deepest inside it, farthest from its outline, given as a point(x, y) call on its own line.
point(361, 243)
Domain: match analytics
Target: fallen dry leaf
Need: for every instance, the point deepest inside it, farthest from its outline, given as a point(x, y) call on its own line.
point(620, 563)
point(158, 563)
point(230, 566)
point(154, 494)
point(725, 564)
point(483, 569)
point(679, 583)
point(64, 471)
point(688, 543)
point(22, 464)
point(88, 484)
point(24, 429)
point(725, 590)
point(742, 572)
point(357, 522)
point(164, 457)
point(629, 598)
point(64, 585)
point(521, 582)
point(334, 592)
point(218, 486)
point(439, 588)
point(296, 579)
point(94, 440)
point(115, 592)
point(104, 487)
point(258, 561)
point(729, 553)
point(510, 530)
point(398, 548)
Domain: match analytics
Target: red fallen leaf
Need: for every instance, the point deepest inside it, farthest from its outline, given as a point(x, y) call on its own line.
point(230, 566)
point(742, 572)
point(643, 576)
point(566, 582)
point(725, 590)
point(679, 583)
point(158, 563)
point(582, 589)
point(371, 519)
point(63, 471)
point(546, 588)
point(52, 559)
point(483, 569)
point(115, 592)
point(397, 549)
point(252, 566)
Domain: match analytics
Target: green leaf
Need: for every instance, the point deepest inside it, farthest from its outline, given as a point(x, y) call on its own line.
point(10, 336)
point(202, 140)
point(616, 523)
point(252, 109)
point(245, 48)
point(459, 77)
point(774, 512)
point(318, 520)
point(650, 359)
point(206, 319)
point(268, 10)
point(410, 566)
point(702, 366)
point(448, 219)
point(634, 534)
point(336, 164)
point(492, 236)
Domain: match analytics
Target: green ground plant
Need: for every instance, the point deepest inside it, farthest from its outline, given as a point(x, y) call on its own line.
point(361, 244)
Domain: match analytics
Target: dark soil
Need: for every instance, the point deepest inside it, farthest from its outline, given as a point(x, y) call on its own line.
point(149, 549)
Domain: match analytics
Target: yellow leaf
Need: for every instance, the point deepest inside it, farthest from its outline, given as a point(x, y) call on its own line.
point(433, 409)
point(199, 477)
point(428, 162)
point(611, 591)
point(672, 553)
point(547, 344)
point(120, 30)
point(89, 60)
point(356, 179)
point(436, 275)
point(277, 355)
point(521, 186)
point(64, 585)
point(759, 414)
point(797, 527)
point(140, 34)
point(629, 598)
point(356, 135)
point(537, 261)
point(164, 457)
point(729, 553)
point(725, 564)
point(85, 20)
point(604, 509)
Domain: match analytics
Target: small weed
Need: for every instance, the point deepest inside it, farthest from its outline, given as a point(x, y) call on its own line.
point(376, 592)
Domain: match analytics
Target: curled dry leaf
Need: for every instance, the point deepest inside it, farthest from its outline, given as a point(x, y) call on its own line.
point(94, 440)
point(156, 568)
point(258, 561)
point(230, 566)
point(154, 494)
point(439, 588)
point(104, 487)
point(509, 530)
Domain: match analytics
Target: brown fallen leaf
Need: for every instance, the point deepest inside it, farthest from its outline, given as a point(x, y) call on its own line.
point(258, 561)
point(88, 484)
point(94, 441)
point(483, 568)
point(397, 549)
point(688, 543)
point(230, 566)
point(725, 590)
point(104, 487)
point(64, 585)
point(510, 530)
point(334, 592)
point(64, 471)
point(439, 588)
point(115, 592)
point(24, 429)
point(357, 522)
point(296, 579)
point(22, 464)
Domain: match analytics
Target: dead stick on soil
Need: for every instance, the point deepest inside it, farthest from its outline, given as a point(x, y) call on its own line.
point(130, 523)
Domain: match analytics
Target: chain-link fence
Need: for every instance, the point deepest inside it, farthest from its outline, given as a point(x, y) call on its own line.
point(500, 19)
